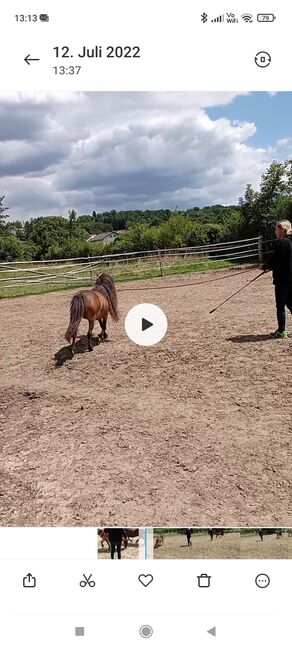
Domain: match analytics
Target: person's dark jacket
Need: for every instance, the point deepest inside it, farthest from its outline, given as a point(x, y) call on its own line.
point(115, 534)
point(281, 262)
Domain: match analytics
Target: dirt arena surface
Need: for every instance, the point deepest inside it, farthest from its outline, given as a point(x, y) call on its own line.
point(175, 546)
point(251, 547)
point(131, 552)
point(196, 430)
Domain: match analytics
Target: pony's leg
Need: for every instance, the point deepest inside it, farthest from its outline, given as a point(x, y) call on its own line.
point(100, 322)
point(73, 345)
point(89, 334)
point(104, 334)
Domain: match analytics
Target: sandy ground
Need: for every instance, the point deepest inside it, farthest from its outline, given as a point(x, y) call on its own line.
point(194, 431)
point(175, 547)
point(251, 547)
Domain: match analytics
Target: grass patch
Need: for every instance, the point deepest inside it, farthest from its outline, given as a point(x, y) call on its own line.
point(124, 273)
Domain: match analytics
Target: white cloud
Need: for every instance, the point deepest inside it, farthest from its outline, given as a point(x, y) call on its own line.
point(286, 141)
point(122, 151)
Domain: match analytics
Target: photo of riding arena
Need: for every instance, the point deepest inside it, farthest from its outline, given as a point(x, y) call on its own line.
point(177, 200)
point(269, 543)
point(196, 543)
point(222, 543)
point(120, 543)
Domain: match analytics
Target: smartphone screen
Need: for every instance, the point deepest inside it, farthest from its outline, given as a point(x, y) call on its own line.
point(145, 323)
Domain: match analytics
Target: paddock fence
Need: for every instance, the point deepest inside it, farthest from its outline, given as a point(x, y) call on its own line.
point(82, 271)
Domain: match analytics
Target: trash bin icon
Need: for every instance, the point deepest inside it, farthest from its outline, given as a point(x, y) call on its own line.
point(204, 580)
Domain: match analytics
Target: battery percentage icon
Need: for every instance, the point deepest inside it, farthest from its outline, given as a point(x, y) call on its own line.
point(266, 18)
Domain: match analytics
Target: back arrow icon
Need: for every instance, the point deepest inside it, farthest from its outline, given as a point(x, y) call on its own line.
point(28, 59)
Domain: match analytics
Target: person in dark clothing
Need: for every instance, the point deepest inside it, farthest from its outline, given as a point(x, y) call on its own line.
point(281, 265)
point(189, 532)
point(115, 537)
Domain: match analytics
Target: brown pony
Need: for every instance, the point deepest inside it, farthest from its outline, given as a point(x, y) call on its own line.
point(132, 533)
point(93, 304)
point(104, 538)
point(159, 541)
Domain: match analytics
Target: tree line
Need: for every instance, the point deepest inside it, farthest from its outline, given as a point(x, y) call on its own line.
point(54, 237)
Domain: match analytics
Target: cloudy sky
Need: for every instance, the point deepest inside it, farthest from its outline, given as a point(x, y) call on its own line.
point(103, 151)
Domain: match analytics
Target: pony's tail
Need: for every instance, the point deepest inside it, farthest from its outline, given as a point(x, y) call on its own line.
point(113, 307)
point(76, 313)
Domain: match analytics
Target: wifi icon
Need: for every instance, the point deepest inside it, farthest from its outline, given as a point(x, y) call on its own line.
point(248, 18)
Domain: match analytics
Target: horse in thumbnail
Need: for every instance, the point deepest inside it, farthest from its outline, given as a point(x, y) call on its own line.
point(93, 304)
point(132, 533)
point(159, 541)
point(216, 532)
point(104, 538)
point(269, 531)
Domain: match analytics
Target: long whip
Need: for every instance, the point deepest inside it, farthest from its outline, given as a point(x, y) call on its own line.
point(239, 290)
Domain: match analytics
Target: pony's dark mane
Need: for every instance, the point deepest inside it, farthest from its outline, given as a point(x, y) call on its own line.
point(105, 285)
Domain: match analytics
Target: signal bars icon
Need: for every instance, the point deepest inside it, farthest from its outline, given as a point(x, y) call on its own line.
point(219, 19)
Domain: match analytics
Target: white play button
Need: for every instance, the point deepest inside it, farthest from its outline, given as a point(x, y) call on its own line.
point(146, 324)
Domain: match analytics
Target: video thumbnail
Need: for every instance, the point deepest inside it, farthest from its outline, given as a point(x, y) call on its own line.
point(118, 543)
point(145, 364)
point(216, 543)
point(222, 543)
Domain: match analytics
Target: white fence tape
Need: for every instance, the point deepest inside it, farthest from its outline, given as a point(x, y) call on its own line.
point(84, 269)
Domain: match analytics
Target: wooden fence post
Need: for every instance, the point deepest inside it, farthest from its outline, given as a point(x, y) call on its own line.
point(90, 267)
point(261, 249)
point(160, 263)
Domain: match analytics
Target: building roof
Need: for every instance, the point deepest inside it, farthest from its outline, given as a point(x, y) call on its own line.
point(101, 236)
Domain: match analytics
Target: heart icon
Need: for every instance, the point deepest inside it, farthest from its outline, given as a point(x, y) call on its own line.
point(145, 579)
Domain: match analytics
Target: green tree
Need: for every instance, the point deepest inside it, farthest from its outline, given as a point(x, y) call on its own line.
point(232, 226)
point(3, 215)
point(249, 209)
point(73, 247)
point(137, 237)
point(72, 223)
point(31, 252)
point(16, 228)
point(283, 209)
point(260, 209)
point(11, 249)
point(176, 232)
point(44, 232)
